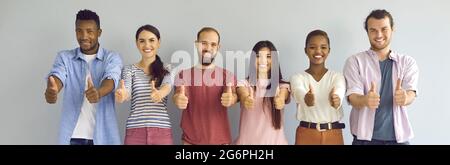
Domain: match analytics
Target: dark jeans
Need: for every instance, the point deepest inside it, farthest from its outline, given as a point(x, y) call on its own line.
point(76, 141)
point(375, 142)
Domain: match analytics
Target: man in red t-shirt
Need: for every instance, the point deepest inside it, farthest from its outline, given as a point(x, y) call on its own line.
point(204, 92)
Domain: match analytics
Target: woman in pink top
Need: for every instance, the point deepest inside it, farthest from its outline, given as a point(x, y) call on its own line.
point(263, 96)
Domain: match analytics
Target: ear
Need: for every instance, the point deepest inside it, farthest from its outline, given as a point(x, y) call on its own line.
point(99, 32)
point(305, 51)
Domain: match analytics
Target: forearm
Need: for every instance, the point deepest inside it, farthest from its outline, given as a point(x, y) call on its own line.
point(284, 93)
point(357, 101)
point(58, 83)
point(106, 87)
point(164, 90)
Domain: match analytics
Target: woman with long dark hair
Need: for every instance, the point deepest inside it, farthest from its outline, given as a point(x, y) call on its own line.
point(147, 83)
point(263, 96)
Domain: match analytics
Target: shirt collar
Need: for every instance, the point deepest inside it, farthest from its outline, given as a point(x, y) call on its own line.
point(79, 54)
point(392, 55)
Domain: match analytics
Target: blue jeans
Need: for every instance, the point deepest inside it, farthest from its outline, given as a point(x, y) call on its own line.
point(76, 141)
point(375, 142)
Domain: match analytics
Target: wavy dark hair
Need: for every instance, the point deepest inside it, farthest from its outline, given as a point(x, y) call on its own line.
point(379, 14)
point(157, 69)
point(274, 76)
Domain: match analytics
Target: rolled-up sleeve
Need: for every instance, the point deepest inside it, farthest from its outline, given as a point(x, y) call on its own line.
point(59, 69)
point(113, 69)
point(352, 78)
point(339, 85)
point(296, 90)
point(411, 75)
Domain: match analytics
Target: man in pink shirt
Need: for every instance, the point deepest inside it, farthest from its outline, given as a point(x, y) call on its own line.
point(381, 84)
point(204, 92)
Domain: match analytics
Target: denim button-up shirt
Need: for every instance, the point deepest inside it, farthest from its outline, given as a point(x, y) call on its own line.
point(71, 68)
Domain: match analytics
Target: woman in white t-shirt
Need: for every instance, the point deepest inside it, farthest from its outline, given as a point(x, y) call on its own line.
point(318, 93)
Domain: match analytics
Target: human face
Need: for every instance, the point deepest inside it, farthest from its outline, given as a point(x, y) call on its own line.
point(87, 36)
point(207, 46)
point(379, 32)
point(147, 44)
point(263, 60)
point(317, 49)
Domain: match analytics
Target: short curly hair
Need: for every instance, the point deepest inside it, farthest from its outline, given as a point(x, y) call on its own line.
point(88, 15)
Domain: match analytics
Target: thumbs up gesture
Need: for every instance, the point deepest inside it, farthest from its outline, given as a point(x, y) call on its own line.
point(121, 95)
point(279, 100)
point(249, 100)
point(309, 97)
point(373, 99)
point(400, 94)
point(91, 93)
point(180, 99)
point(227, 96)
point(335, 101)
point(155, 95)
point(51, 93)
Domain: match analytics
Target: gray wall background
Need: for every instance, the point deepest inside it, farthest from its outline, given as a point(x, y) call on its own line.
point(32, 31)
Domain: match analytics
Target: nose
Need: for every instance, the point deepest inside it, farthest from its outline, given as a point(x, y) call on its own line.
point(83, 35)
point(263, 60)
point(208, 47)
point(378, 34)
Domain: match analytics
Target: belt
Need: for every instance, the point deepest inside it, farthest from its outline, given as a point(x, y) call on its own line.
point(322, 127)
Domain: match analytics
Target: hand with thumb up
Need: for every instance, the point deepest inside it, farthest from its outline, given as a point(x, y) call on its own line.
point(179, 98)
point(309, 97)
point(249, 99)
point(155, 95)
point(400, 94)
point(227, 98)
point(121, 95)
point(51, 93)
point(373, 99)
point(279, 100)
point(335, 101)
point(91, 93)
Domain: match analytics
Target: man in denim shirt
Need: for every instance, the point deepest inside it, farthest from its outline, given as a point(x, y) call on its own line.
point(88, 75)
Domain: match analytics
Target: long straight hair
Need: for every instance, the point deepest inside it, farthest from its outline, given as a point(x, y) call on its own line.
point(274, 76)
point(157, 70)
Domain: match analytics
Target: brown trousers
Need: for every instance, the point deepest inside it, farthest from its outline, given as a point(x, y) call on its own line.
point(310, 136)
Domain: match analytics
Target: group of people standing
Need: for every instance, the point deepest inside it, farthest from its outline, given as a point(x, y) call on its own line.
point(378, 83)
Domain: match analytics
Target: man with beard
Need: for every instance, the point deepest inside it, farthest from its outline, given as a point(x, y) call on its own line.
point(88, 74)
point(381, 84)
point(204, 92)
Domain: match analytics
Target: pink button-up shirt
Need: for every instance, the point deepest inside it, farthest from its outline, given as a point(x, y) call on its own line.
point(363, 68)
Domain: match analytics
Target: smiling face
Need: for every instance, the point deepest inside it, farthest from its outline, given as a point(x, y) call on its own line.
point(87, 33)
point(379, 32)
point(207, 46)
point(263, 61)
point(147, 44)
point(317, 49)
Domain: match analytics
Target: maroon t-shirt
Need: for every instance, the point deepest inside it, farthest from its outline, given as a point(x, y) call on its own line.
point(205, 120)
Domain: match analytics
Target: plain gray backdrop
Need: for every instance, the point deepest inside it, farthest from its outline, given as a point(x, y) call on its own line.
point(32, 31)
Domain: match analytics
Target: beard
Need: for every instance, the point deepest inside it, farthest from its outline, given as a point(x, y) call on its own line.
point(91, 48)
point(377, 47)
point(207, 59)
